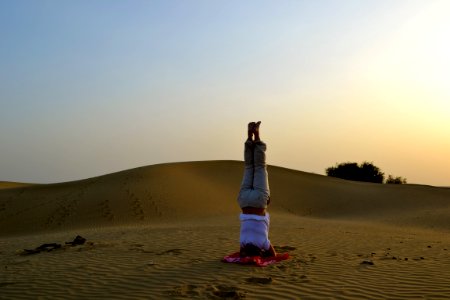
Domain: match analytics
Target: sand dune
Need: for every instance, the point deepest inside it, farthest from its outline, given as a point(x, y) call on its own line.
point(154, 194)
point(10, 184)
point(160, 231)
point(182, 191)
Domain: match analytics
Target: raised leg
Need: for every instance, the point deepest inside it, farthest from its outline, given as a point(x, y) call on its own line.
point(249, 169)
point(254, 190)
point(261, 177)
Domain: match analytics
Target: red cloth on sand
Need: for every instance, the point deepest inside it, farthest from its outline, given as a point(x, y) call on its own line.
point(255, 260)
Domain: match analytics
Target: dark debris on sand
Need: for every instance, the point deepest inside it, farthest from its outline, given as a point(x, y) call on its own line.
point(47, 247)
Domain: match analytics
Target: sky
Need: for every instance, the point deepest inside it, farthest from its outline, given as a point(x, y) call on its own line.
point(93, 87)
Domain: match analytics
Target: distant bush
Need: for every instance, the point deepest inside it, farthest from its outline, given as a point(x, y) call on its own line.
point(364, 172)
point(395, 180)
point(352, 171)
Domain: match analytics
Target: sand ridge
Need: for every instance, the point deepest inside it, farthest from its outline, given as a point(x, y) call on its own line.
point(11, 185)
point(169, 192)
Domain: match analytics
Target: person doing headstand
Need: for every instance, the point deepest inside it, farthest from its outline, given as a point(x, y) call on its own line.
point(254, 197)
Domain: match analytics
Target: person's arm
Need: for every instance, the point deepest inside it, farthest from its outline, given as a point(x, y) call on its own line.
point(272, 251)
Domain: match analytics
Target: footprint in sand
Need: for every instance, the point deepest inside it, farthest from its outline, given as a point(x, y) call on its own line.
point(154, 206)
point(106, 210)
point(226, 291)
point(139, 248)
point(187, 290)
point(172, 252)
point(284, 248)
point(208, 291)
point(367, 263)
point(63, 211)
point(2, 207)
point(136, 205)
point(137, 208)
point(262, 280)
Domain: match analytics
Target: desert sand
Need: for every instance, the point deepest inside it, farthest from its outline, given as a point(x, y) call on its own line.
point(160, 231)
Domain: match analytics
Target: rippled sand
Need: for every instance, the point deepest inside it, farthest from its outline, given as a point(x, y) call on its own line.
point(159, 233)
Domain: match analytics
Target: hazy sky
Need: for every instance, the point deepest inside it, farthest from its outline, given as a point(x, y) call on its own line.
point(93, 87)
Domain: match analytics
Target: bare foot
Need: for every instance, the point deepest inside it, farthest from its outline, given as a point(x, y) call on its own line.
point(251, 130)
point(256, 130)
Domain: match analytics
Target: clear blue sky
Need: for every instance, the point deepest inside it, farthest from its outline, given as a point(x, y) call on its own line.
point(93, 87)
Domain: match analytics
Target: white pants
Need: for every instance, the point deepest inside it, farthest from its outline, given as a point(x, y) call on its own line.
point(255, 184)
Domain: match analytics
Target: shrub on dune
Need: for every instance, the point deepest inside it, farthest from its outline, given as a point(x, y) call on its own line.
point(366, 172)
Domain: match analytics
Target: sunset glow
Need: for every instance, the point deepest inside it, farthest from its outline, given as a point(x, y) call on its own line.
point(89, 88)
